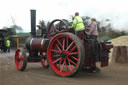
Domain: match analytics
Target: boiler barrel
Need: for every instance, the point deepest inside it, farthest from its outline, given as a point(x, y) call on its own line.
point(37, 44)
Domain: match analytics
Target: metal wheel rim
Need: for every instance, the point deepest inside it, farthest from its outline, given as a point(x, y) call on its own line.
point(19, 59)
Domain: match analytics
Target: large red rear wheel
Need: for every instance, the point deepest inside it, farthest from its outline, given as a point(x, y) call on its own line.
point(65, 54)
point(21, 59)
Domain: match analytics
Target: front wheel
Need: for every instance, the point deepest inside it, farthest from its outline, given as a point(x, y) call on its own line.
point(21, 59)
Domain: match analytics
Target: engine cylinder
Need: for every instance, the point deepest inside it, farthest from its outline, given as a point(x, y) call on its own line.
point(37, 44)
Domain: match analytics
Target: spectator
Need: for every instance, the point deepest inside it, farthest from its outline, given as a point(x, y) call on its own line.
point(8, 45)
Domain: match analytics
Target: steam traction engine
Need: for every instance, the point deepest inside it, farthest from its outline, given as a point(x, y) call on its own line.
point(62, 50)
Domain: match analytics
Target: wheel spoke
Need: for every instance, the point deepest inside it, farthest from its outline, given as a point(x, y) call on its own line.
point(53, 50)
point(63, 44)
point(56, 55)
point(69, 46)
point(72, 62)
point(54, 27)
point(64, 28)
point(74, 58)
point(70, 67)
point(59, 25)
point(74, 53)
point(67, 41)
point(60, 62)
point(73, 48)
point(56, 60)
point(58, 47)
point(20, 56)
point(59, 43)
point(62, 67)
point(20, 63)
point(66, 65)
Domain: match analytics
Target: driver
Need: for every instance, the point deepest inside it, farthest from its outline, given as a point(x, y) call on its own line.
point(78, 25)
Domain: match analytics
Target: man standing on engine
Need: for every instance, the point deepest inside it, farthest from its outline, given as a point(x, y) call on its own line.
point(78, 25)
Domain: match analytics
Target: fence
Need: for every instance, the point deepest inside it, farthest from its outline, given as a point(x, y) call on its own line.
point(22, 41)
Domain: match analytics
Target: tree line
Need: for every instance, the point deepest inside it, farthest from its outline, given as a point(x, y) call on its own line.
point(103, 29)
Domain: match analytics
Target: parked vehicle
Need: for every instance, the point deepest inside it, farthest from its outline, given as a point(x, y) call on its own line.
point(3, 40)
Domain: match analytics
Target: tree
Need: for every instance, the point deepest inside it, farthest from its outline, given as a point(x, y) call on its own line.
point(13, 29)
point(42, 25)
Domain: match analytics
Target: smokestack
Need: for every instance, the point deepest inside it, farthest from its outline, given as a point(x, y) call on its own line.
point(33, 23)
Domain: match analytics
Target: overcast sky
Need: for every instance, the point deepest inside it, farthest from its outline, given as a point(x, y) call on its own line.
point(116, 10)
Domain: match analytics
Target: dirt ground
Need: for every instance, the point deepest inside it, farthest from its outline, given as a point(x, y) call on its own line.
point(35, 74)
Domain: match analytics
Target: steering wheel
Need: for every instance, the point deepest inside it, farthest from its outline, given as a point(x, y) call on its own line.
point(56, 26)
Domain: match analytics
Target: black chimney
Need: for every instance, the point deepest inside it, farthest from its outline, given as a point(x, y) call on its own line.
point(33, 23)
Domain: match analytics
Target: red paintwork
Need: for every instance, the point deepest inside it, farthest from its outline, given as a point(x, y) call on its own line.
point(107, 45)
point(91, 62)
point(36, 44)
point(19, 64)
point(88, 62)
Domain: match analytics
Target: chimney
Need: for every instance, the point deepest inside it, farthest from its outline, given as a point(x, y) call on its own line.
point(33, 23)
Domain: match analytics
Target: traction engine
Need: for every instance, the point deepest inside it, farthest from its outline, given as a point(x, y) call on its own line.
point(61, 50)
